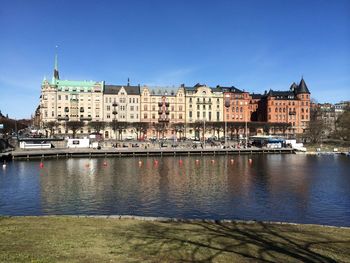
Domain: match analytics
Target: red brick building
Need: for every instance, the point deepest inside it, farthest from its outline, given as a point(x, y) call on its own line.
point(292, 107)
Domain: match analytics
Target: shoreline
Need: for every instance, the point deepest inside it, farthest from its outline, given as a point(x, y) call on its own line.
point(175, 219)
point(111, 152)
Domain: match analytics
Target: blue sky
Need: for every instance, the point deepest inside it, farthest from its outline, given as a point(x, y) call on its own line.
point(253, 45)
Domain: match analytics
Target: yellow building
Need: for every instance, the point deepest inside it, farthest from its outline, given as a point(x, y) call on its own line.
point(162, 109)
point(203, 104)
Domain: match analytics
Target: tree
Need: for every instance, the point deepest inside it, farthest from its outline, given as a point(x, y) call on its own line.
point(218, 127)
point(118, 126)
point(51, 126)
point(316, 126)
point(343, 125)
point(97, 126)
point(160, 128)
point(179, 128)
point(74, 126)
point(140, 128)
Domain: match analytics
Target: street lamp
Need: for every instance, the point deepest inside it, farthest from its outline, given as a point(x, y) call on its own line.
point(227, 106)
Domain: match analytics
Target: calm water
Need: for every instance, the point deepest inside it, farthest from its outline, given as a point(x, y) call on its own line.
point(293, 188)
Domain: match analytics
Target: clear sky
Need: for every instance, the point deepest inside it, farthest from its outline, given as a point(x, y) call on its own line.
point(253, 45)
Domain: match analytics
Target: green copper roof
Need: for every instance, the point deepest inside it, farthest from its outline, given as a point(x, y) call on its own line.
point(76, 83)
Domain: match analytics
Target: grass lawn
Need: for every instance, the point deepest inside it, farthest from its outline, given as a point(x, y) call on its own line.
point(72, 239)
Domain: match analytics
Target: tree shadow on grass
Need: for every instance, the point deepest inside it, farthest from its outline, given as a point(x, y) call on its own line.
point(211, 242)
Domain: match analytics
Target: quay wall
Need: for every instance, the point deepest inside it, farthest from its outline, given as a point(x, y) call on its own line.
point(72, 153)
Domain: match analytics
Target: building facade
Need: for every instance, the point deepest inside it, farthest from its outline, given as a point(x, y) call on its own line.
point(166, 112)
point(162, 109)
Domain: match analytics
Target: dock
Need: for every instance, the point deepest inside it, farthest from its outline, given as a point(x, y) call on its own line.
point(131, 152)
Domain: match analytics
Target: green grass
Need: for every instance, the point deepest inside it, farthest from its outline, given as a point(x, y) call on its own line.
point(72, 239)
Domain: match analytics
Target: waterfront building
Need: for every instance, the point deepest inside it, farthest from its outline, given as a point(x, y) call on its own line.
point(133, 111)
point(66, 100)
point(121, 104)
point(203, 104)
point(162, 109)
point(291, 107)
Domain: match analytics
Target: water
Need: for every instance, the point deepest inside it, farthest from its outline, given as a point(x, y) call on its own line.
point(291, 188)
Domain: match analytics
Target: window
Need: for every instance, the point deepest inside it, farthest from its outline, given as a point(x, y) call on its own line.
point(59, 97)
point(217, 115)
point(198, 115)
point(209, 115)
point(190, 114)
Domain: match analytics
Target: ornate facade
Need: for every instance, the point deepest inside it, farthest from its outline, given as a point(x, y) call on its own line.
point(170, 112)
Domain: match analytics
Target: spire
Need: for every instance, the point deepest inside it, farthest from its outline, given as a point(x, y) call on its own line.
point(302, 87)
point(56, 75)
point(128, 82)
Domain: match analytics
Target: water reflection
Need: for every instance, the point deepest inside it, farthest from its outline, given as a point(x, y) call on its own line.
point(295, 188)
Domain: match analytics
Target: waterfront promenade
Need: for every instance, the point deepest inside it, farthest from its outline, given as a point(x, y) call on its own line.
point(134, 152)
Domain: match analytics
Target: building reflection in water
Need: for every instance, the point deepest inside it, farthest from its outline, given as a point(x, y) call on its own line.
point(292, 188)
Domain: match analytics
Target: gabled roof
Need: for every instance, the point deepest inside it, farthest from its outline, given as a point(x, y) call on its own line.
point(302, 88)
point(114, 89)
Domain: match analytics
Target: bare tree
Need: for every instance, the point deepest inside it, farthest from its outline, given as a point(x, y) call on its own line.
point(316, 126)
point(97, 126)
point(178, 128)
point(343, 125)
point(160, 128)
point(51, 126)
point(118, 126)
point(74, 126)
point(140, 128)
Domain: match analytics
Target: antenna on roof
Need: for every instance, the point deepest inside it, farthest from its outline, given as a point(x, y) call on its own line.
point(128, 82)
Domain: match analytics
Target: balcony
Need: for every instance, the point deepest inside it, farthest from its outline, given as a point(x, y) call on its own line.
point(292, 113)
point(166, 104)
point(66, 109)
point(114, 112)
point(160, 112)
point(160, 104)
point(62, 118)
point(163, 120)
point(115, 104)
point(167, 112)
point(85, 118)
